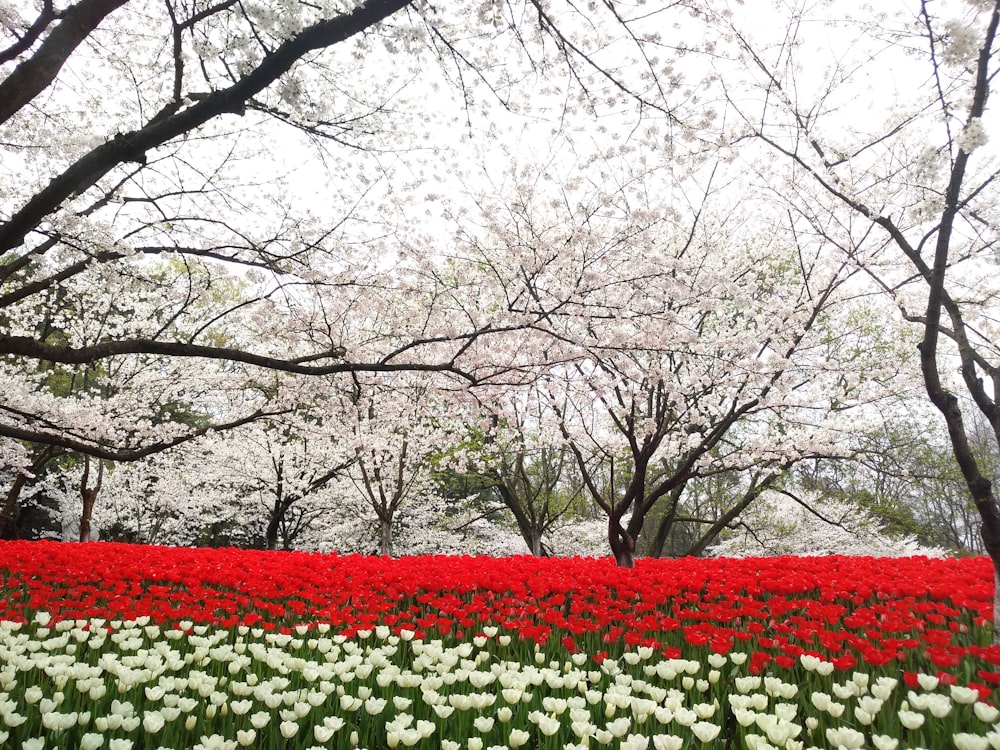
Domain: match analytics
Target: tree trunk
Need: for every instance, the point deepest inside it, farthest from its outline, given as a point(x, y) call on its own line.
point(980, 486)
point(625, 557)
point(9, 513)
point(527, 526)
point(279, 507)
point(662, 532)
point(755, 490)
point(89, 496)
point(11, 506)
point(622, 544)
point(535, 543)
point(271, 533)
point(990, 532)
point(385, 537)
point(666, 523)
point(278, 511)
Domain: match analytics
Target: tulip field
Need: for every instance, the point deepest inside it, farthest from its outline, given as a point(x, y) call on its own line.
point(129, 647)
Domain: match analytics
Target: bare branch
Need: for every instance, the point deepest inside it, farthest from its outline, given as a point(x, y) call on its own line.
point(132, 146)
point(33, 75)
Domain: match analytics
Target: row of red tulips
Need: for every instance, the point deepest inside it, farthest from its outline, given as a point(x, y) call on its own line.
point(911, 614)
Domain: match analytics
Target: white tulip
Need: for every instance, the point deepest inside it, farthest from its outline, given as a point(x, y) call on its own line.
point(884, 742)
point(635, 742)
point(483, 724)
point(964, 695)
point(705, 731)
point(927, 681)
point(939, 705)
point(619, 727)
point(911, 719)
point(517, 738)
point(667, 742)
point(153, 721)
point(966, 741)
point(548, 725)
point(851, 739)
point(260, 719)
point(986, 713)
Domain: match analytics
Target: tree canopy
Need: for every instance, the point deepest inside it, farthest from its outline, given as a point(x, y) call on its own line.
point(653, 257)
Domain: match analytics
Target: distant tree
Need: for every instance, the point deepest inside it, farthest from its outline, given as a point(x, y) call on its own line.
point(791, 522)
point(669, 345)
point(394, 431)
point(534, 488)
point(16, 477)
point(717, 386)
point(530, 474)
point(905, 474)
point(689, 519)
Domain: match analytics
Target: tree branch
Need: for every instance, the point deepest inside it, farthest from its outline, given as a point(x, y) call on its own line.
point(132, 146)
point(33, 75)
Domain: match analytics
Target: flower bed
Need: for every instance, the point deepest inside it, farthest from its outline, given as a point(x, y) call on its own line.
point(118, 646)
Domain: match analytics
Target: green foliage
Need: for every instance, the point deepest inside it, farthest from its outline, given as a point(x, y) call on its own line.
point(906, 476)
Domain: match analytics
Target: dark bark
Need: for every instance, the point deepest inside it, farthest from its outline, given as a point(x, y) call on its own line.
point(35, 74)
point(385, 536)
point(278, 510)
point(89, 496)
point(68, 442)
point(531, 524)
point(622, 547)
point(278, 521)
point(46, 16)
point(11, 508)
point(385, 488)
point(11, 503)
point(29, 347)
point(939, 301)
point(534, 541)
point(757, 487)
point(666, 523)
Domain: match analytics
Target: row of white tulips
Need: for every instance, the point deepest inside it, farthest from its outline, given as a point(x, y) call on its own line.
point(130, 685)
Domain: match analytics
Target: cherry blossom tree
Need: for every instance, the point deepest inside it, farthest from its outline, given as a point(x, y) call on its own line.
point(647, 426)
point(102, 397)
point(280, 472)
point(31, 461)
point(188, 495)
point(535, 488)
point(526, 470)
point(904, 473)
point(906, 191)
point(395, 431)
point(436, 526)
point(214, 215)
point(681, 338)
point(690, 518)
point(276, 145)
